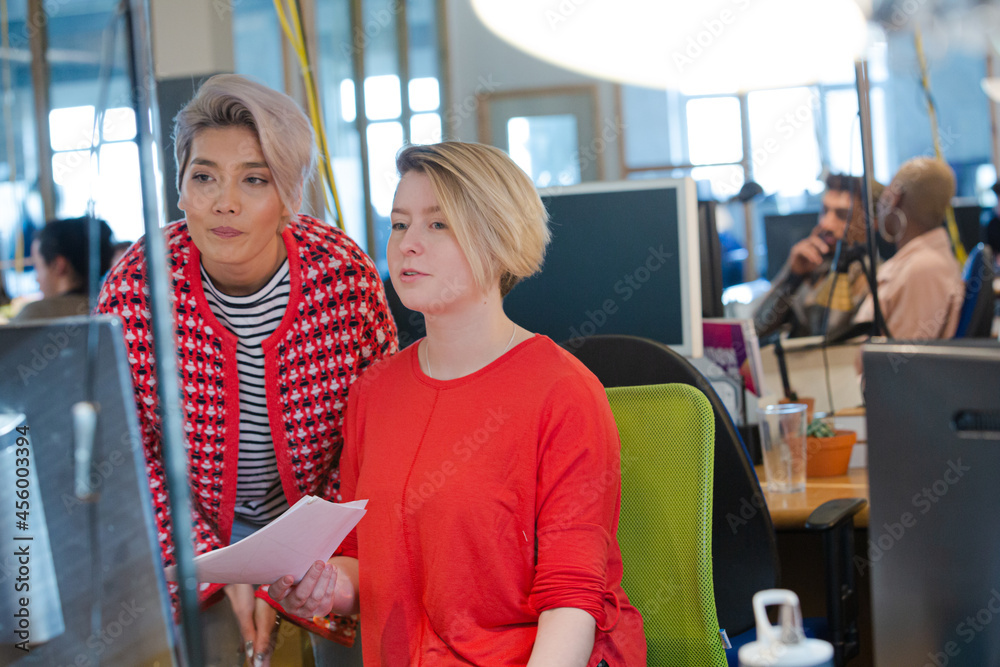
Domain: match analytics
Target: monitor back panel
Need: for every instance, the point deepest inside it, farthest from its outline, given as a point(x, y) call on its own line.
point(934, 530)
point(109, 588)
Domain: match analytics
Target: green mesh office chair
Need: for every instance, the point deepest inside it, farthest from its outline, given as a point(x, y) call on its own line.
point(745, 560)
point(665, 530)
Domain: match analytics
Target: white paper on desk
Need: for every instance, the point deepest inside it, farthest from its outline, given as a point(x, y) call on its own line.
point(309, 531)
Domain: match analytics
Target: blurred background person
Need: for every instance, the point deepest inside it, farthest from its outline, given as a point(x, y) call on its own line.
point(920, 289)
point(59, 254)
point(801, 292)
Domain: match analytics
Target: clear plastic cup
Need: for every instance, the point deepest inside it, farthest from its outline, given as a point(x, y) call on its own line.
point(783, 441)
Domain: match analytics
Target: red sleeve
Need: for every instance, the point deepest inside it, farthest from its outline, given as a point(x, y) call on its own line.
point(579, 487)
point(126, 295)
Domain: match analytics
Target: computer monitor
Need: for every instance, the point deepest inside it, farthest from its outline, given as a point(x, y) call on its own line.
point(934, 530)
point(624, 259)
point(781, 232)
point(968, 219)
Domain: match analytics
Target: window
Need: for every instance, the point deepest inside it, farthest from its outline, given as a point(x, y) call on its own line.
point(783, 139)
point(545, 147)
point(47, 169)
point(20, 205)
point(551, 133)
point(399, 102)
point(112, 179)
point(785, 151)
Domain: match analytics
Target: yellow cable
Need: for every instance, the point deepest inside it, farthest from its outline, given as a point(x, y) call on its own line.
point(297, 41)
point(956, 240)
point(314, 105)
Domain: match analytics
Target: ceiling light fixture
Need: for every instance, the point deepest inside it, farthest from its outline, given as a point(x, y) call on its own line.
point(708, 46)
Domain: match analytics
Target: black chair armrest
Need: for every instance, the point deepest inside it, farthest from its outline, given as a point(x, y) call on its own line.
point(832, 513)
point(834, 520)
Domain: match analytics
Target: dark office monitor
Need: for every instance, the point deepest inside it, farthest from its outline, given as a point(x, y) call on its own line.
point(96, 592)
point(781, 232)
point(623, 260)
point(934, 528)
point(971, 230)
point(711, 261)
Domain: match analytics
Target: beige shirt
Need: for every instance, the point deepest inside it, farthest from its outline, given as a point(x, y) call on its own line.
point(64, 305)
point(920, 290)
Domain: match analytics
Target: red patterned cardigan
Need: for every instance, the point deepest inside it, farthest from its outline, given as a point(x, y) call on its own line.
point(336, 325)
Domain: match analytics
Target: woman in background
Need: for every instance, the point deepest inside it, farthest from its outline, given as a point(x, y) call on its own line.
point(276, 314)
point(59, 255)
point(490, 537)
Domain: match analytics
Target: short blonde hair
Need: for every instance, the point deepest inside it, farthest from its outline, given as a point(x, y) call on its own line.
point(491, 204)
point(285, 135)
point(927, 186)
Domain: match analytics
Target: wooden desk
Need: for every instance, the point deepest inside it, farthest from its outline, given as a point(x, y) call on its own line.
point(789, 511)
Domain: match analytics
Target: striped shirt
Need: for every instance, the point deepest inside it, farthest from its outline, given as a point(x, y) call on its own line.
point(252, 318)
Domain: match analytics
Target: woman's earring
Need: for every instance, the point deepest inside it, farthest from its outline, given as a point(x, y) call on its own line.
point(884, 233)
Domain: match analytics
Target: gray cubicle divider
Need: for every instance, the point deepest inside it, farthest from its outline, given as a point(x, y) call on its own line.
point(933, 532)
point(108, 604)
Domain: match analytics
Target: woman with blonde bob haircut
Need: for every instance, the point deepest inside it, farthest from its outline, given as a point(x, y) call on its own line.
point(276, 313)
point(485, 452)
point(503, 230)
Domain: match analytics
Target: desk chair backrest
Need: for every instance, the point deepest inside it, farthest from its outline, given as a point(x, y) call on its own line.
point(667, 439)
point(976, 319)
point(744, 548)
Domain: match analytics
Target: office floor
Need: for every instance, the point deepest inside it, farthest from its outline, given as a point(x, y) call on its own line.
point(801, 558)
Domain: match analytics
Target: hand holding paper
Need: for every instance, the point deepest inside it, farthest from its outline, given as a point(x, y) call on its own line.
point(309, 531)
point(330, 586)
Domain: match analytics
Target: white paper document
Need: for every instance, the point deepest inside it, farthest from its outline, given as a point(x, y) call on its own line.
point(309, 531)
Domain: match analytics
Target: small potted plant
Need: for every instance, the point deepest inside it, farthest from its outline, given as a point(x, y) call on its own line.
point(828, 451)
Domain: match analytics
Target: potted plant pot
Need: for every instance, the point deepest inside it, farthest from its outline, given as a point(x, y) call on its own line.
point(829, 456)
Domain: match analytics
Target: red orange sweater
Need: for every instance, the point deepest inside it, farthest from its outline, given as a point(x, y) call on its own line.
point(493, 497)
